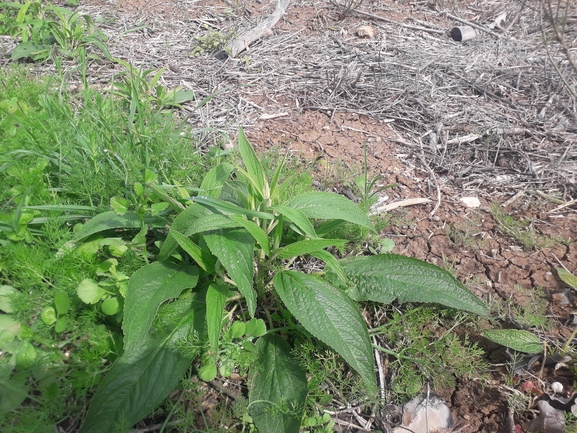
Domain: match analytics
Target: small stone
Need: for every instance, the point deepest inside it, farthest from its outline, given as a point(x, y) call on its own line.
point(557, 387)
point(472, 202)
point(365, 32)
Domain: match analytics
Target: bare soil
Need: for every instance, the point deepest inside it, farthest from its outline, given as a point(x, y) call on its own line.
point(413, 97)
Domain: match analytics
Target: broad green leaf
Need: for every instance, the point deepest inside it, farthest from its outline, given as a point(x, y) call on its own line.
point(516, 339)
point(310, 246)
point(278, 387)
point(180, 224)
point(257, 233)
point(26, 355)
point(567, 277)
point(156, 208)
point(255, 328)
point(215, 301)
point(5, 293)
point(110, 221)
point(48, 315)
point(61, 302)
point(13, 392)
point(331, 317)
point(299, 219)
point(215, 179)
point(386, 277)
point(227, 207)
point(254, 169)
point(142, 377)
point(89, 291)
point(237, 329)
point(61, 325)
point(110, 306)
point(119, 205)
point(234, 248)
point(207, 372)
point(202, 257)
point(329, 206)
point(148, 288)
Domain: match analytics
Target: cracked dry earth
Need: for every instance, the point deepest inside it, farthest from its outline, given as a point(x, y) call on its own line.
point(444, 231)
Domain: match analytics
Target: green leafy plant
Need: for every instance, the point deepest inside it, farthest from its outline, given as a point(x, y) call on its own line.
point(40, 26)
point(240, 242)
point(137, 87)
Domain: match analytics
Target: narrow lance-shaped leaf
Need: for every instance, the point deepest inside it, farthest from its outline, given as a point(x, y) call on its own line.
point(149, 287)
point(331, 317)
point(300, 248)
point(299, 219)
point(141, 378)
point(235, 250)
point(215, 301)
point(386, 277)
point(203, 258)
point(329, 206)
point(181, 224)
point(109, 220)
point(278, 387)
point(254, 169)
point(516, 339)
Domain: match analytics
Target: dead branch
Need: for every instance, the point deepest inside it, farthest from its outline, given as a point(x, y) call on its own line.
point(237, 46)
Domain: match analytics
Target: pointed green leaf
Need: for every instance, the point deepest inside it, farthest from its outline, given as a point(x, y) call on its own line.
point(202, 257)
point(234, 248)
point(567, 277)
point(89, 291)
point(253, 166)
point(257, 233)
point(331, 317)
point(148, 288)
point(516, 339)
point(332, 263)
point(210, 222)
point(386, 277)
point(110, 221)
point(172, 202)
point(142, 377)
point(329, 206)
point(301, 248)
point(215, 301)
point(297, 218)
point(278, 387)
point(180, 224)
point(12, 393)
point(227, 207)
point(215, 179)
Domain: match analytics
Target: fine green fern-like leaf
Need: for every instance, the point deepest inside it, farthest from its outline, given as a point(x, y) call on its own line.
point(386, 277)
point(331, 317)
